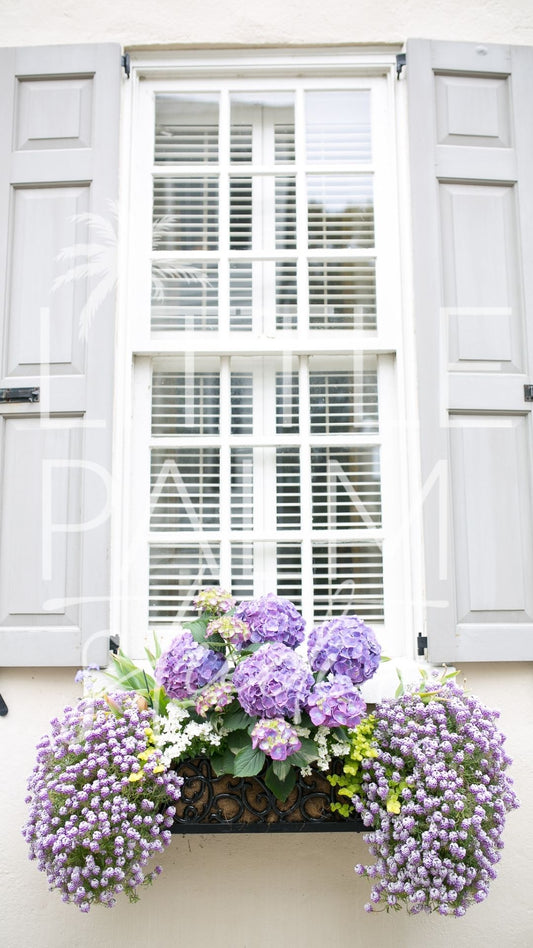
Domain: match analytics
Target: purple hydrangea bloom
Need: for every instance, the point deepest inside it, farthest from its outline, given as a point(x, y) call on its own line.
point(90, 828)
point(345, 646)
point(186, 666)
point(276, 738)
point(273, 682)
point(434, 798)
point(336, 702)
point(272, 619)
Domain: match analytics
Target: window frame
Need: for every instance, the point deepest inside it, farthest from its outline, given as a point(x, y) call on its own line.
point(271, 69)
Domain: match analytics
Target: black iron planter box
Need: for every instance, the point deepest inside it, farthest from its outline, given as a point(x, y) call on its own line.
point(226, 804)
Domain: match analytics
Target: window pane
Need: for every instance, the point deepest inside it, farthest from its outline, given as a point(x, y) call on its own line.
point(342, 295)
point(262, 127)
point(185, 403)
point(242, 488)
point(184, 296)
point(242, 403)
point(185, 213)
point(289, 572)
point(344, 399)
point(346, 487)
point(340, 211)
point(287, 488)
point(185, 489)
point(337, 126)
point(262, 212)
point(348, 578)
point(186, 128)
point(176, 575)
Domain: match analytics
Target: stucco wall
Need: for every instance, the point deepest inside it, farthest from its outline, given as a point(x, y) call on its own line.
point(254, 22)
point(286, 891)
point(253, 892)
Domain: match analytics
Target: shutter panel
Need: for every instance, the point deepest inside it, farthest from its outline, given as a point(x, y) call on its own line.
point(58, 168)
point(471, 142)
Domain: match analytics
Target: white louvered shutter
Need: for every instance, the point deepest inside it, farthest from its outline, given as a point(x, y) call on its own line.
point(471, 141)
point(58, 179)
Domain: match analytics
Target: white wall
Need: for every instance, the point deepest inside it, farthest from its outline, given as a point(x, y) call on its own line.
point(254, 22)
point(257, 891)
point(283, 891)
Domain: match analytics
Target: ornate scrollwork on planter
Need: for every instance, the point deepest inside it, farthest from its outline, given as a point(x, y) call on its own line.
point(245, 804)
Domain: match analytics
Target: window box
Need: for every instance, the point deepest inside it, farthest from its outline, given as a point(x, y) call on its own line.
point(226, 804)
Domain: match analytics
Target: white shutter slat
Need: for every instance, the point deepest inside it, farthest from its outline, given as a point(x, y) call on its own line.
point(58, 179)
point(471, 140)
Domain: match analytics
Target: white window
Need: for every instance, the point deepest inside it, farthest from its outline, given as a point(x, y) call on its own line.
point(263, 315)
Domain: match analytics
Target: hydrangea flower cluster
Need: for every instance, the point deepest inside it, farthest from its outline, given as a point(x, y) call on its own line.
point(276, 738)
point(345, 646)
point(435, 796)
point(186, 666)
point(214, 697)
point(273, 682)
point(336, 702)
point(91, 829)
point(230, 629)
point(272, 619)
point(214, 600)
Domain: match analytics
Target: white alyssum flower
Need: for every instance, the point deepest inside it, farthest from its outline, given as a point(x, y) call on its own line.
point(178, 732)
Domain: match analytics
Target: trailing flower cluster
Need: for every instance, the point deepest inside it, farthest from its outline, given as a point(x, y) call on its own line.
point(93, 825)
point(434, 794)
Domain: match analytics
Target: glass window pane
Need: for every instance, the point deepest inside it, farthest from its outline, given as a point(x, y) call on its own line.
point(342, 295)
point(185, 489)
point(185, 213)
point(348, 578)
point(346, 487)
point(177, 573)
point(262, 127)
point(340, 211)
point(337, 126)
point(186, 128)
point(185, 403)
point(344, 397)
point(184, 296)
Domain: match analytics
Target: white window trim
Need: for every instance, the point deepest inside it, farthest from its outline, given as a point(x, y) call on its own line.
point(399, 379)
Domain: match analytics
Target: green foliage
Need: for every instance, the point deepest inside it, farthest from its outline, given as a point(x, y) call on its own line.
point(349, 782)
point(280, 778)
point(132, 678)
point(249, 762)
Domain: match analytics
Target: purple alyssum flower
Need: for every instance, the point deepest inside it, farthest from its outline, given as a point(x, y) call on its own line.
point(186, 666)
point(345, 646)
point(437, 849)
point(336, 702)
point(273, 682)
point(276, 737)
point(272, 619)
point(85, 826)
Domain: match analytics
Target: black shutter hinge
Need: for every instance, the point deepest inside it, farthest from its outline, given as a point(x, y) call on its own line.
point(421, 644)
point(114, 644)
point(126, 64)
point(3, 707)
point(401, 61)
point(528, 393)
